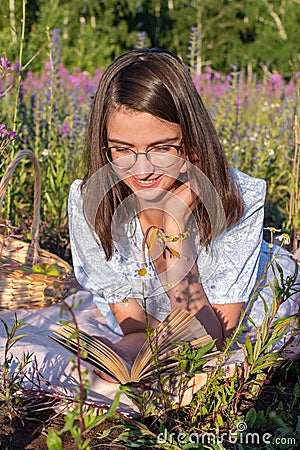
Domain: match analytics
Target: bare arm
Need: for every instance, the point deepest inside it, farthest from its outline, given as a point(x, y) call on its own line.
point(228, 315)
point(181, 274)
point(218, 320)
point(132, 321)
point(187, 293)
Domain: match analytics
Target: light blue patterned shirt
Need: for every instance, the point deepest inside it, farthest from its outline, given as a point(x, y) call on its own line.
point(228, 271)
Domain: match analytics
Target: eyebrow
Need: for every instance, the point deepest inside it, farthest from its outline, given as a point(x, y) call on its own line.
point(161, 141)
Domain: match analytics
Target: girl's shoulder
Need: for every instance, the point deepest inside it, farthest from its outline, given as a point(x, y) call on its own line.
point(252, 190)
point(247, 183)
point(75, 192)
point(75, 186)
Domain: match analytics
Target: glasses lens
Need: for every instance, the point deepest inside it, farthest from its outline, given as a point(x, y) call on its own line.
point(121, 157)
point(163, 156)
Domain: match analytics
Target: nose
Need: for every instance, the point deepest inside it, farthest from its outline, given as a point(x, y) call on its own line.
point(142, 165)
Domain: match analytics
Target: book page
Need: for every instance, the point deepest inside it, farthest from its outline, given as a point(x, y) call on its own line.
point(99, 354)
point(178, 327)
point(167, 361)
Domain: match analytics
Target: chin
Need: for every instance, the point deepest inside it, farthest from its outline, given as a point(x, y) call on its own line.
point(150, 195)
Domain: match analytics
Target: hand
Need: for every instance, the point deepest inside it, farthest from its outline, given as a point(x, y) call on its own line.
point(178, 207)
point(183, 395)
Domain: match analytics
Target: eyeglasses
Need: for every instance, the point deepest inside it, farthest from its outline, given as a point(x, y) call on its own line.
point(159, 156)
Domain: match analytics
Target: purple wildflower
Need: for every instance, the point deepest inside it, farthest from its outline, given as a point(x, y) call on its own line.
point(3, 130)
point(65, 129)
point(5, 64)
point(4, 134)
point(47, 65)
point(6, 138)
point(276, 79)
point(16, 66)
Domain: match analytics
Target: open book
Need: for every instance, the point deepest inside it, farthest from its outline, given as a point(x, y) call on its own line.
point(159, 350)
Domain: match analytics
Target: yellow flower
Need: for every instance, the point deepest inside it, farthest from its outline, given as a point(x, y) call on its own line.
point(272, 231)
point(142, 272)
point(125, 301)
point(284, 238)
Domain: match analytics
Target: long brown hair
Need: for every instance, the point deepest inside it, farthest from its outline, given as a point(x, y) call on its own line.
point(157, 82)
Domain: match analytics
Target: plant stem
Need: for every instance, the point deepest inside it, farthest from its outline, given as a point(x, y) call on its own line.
point(294, 203)
point(16, 102)
point(153, 349)
point(19, 78)
point(81, 387)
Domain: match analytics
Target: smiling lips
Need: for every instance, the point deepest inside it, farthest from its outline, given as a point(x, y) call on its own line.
point(146, 183)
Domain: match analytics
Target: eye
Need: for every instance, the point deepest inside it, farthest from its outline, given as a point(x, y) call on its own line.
point(122, 150)
point(162, 149)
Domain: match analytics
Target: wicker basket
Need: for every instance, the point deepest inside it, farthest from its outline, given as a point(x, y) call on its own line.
point(24, 289)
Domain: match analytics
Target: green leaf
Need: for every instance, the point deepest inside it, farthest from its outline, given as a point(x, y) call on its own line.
point(251, 417)
point(257, 346)
point(277, 420)
point(298, 426)
point(105, 433)
point(204, 410)
point(249, 349)
point(54, 442)
point(220, 421)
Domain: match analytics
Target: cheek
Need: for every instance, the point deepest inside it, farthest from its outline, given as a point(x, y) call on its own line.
point(127, 182)
point(122, 175)
point(175, 172)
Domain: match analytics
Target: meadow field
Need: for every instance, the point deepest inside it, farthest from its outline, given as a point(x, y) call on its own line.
point(258, 121)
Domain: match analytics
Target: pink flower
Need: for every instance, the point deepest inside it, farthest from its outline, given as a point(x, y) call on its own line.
point(65, 129)
point(47, 65)
point(275, 78)
point(5, 63)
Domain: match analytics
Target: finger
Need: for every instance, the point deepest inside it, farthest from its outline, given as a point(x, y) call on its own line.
point(182, 197)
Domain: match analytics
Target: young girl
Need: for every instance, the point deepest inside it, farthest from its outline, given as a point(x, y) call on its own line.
point(160, 220)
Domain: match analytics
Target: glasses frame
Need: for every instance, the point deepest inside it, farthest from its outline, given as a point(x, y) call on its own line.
point(146, 153)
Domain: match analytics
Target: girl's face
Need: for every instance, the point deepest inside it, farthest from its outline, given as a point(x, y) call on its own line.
point(139, 132)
